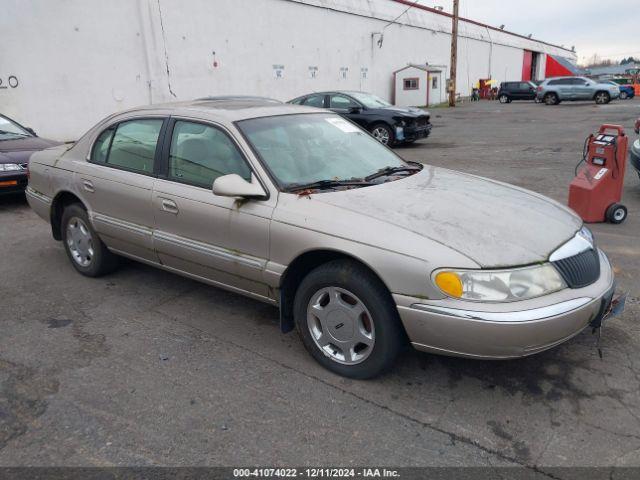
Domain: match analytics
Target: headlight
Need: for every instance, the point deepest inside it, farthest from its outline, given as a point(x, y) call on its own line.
point(10, 167)
point(499, 285)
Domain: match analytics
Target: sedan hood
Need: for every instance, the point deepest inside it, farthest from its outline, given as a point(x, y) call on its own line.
point(407, 111)
point(492, 223)
point(31, 144)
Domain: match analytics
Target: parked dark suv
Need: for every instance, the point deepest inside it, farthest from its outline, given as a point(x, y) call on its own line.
point(510, 91)
point(389, 124)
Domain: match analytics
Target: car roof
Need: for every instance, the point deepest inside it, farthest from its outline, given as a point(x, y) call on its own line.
point(231, 108)
point(329, 92)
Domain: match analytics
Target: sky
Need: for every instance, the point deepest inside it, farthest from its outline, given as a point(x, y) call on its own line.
point(608, 28)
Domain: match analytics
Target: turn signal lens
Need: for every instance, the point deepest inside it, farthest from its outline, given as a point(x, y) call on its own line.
point(449, 283)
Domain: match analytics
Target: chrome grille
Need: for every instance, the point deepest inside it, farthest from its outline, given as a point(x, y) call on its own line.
point(579, 270)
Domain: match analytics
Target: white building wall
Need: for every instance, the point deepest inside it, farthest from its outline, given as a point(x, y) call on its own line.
point(77, 61)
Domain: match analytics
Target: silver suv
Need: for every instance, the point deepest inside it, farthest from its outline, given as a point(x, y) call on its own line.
point(555, 90)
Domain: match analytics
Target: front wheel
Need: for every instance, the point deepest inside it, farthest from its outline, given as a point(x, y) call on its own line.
point(87, 253)
point(624, 95)
point(602, 98)
point(347, 320)
point(383, 134)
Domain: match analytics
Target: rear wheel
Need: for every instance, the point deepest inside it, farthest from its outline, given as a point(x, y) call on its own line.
point(551, 99)
point(347, 320)
point(87, 253)
point(616, 213)
point(602, 97)
point(504, 98)
point(383, 134)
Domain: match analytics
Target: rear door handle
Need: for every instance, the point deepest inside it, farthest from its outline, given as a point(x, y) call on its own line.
point(169, 206)
point(88, 186)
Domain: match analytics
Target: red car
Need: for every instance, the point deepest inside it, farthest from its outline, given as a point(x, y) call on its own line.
point(17, 143)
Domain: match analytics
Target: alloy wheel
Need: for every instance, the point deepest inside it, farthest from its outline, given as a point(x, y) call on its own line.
point(381, 134)
point(80, 242)
point(340, 325)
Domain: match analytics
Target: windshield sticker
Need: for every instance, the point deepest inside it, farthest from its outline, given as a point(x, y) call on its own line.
point(343, 125)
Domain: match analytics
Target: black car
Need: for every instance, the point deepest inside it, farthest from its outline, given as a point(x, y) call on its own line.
point(510, 91)
point(389, 124)
point(17, 143)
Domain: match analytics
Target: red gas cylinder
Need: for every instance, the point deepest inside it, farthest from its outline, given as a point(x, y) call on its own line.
point(596, 190)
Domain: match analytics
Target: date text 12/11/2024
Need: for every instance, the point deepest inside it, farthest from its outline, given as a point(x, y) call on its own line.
point(314, 473)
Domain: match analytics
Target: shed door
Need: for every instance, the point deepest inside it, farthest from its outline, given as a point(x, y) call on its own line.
point(435, 88)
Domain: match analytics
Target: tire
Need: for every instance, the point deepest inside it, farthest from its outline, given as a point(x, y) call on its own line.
point(504, 99)
point(616, 213)
point(602, 98)
point(624, 95)
point(551, 99)
point(337, 289)
point(87, 253)
point(383, 134)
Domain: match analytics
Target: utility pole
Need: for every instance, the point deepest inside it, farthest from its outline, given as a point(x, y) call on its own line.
point(454, 55)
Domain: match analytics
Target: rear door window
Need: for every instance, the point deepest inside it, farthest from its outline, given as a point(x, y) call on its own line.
point(133, 146)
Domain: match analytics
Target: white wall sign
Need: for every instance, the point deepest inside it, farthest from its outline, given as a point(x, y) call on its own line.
point(364, 71)
point(343, 72)
point(313, 72)
point(278, 71)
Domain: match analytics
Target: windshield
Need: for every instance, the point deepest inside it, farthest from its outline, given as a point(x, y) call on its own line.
point(306, 148)
point(10, 130)
point(369, 100)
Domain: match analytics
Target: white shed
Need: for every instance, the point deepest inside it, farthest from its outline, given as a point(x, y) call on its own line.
point(419, 85)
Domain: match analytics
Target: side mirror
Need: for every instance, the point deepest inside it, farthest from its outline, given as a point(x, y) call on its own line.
point(233, 185)
point(31, 131)
point(637, 129)
point(355, 110)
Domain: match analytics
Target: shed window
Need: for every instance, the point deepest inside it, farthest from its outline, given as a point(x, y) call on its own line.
point(411, 83)
point(434, 83)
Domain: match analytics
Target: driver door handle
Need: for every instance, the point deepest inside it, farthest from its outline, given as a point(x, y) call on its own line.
point(170, 206)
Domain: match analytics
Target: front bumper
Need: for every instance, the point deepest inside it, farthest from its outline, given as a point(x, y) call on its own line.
point(505, 330)
point(412, 133)
point(13, 183)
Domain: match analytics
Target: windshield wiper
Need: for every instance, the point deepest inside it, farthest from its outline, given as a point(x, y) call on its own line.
point(326, 184)
point(391, 170)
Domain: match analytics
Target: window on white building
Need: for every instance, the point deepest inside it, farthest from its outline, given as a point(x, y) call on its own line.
point(411, 83)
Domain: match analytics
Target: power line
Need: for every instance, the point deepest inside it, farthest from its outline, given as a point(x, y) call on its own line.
point(405, 11)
